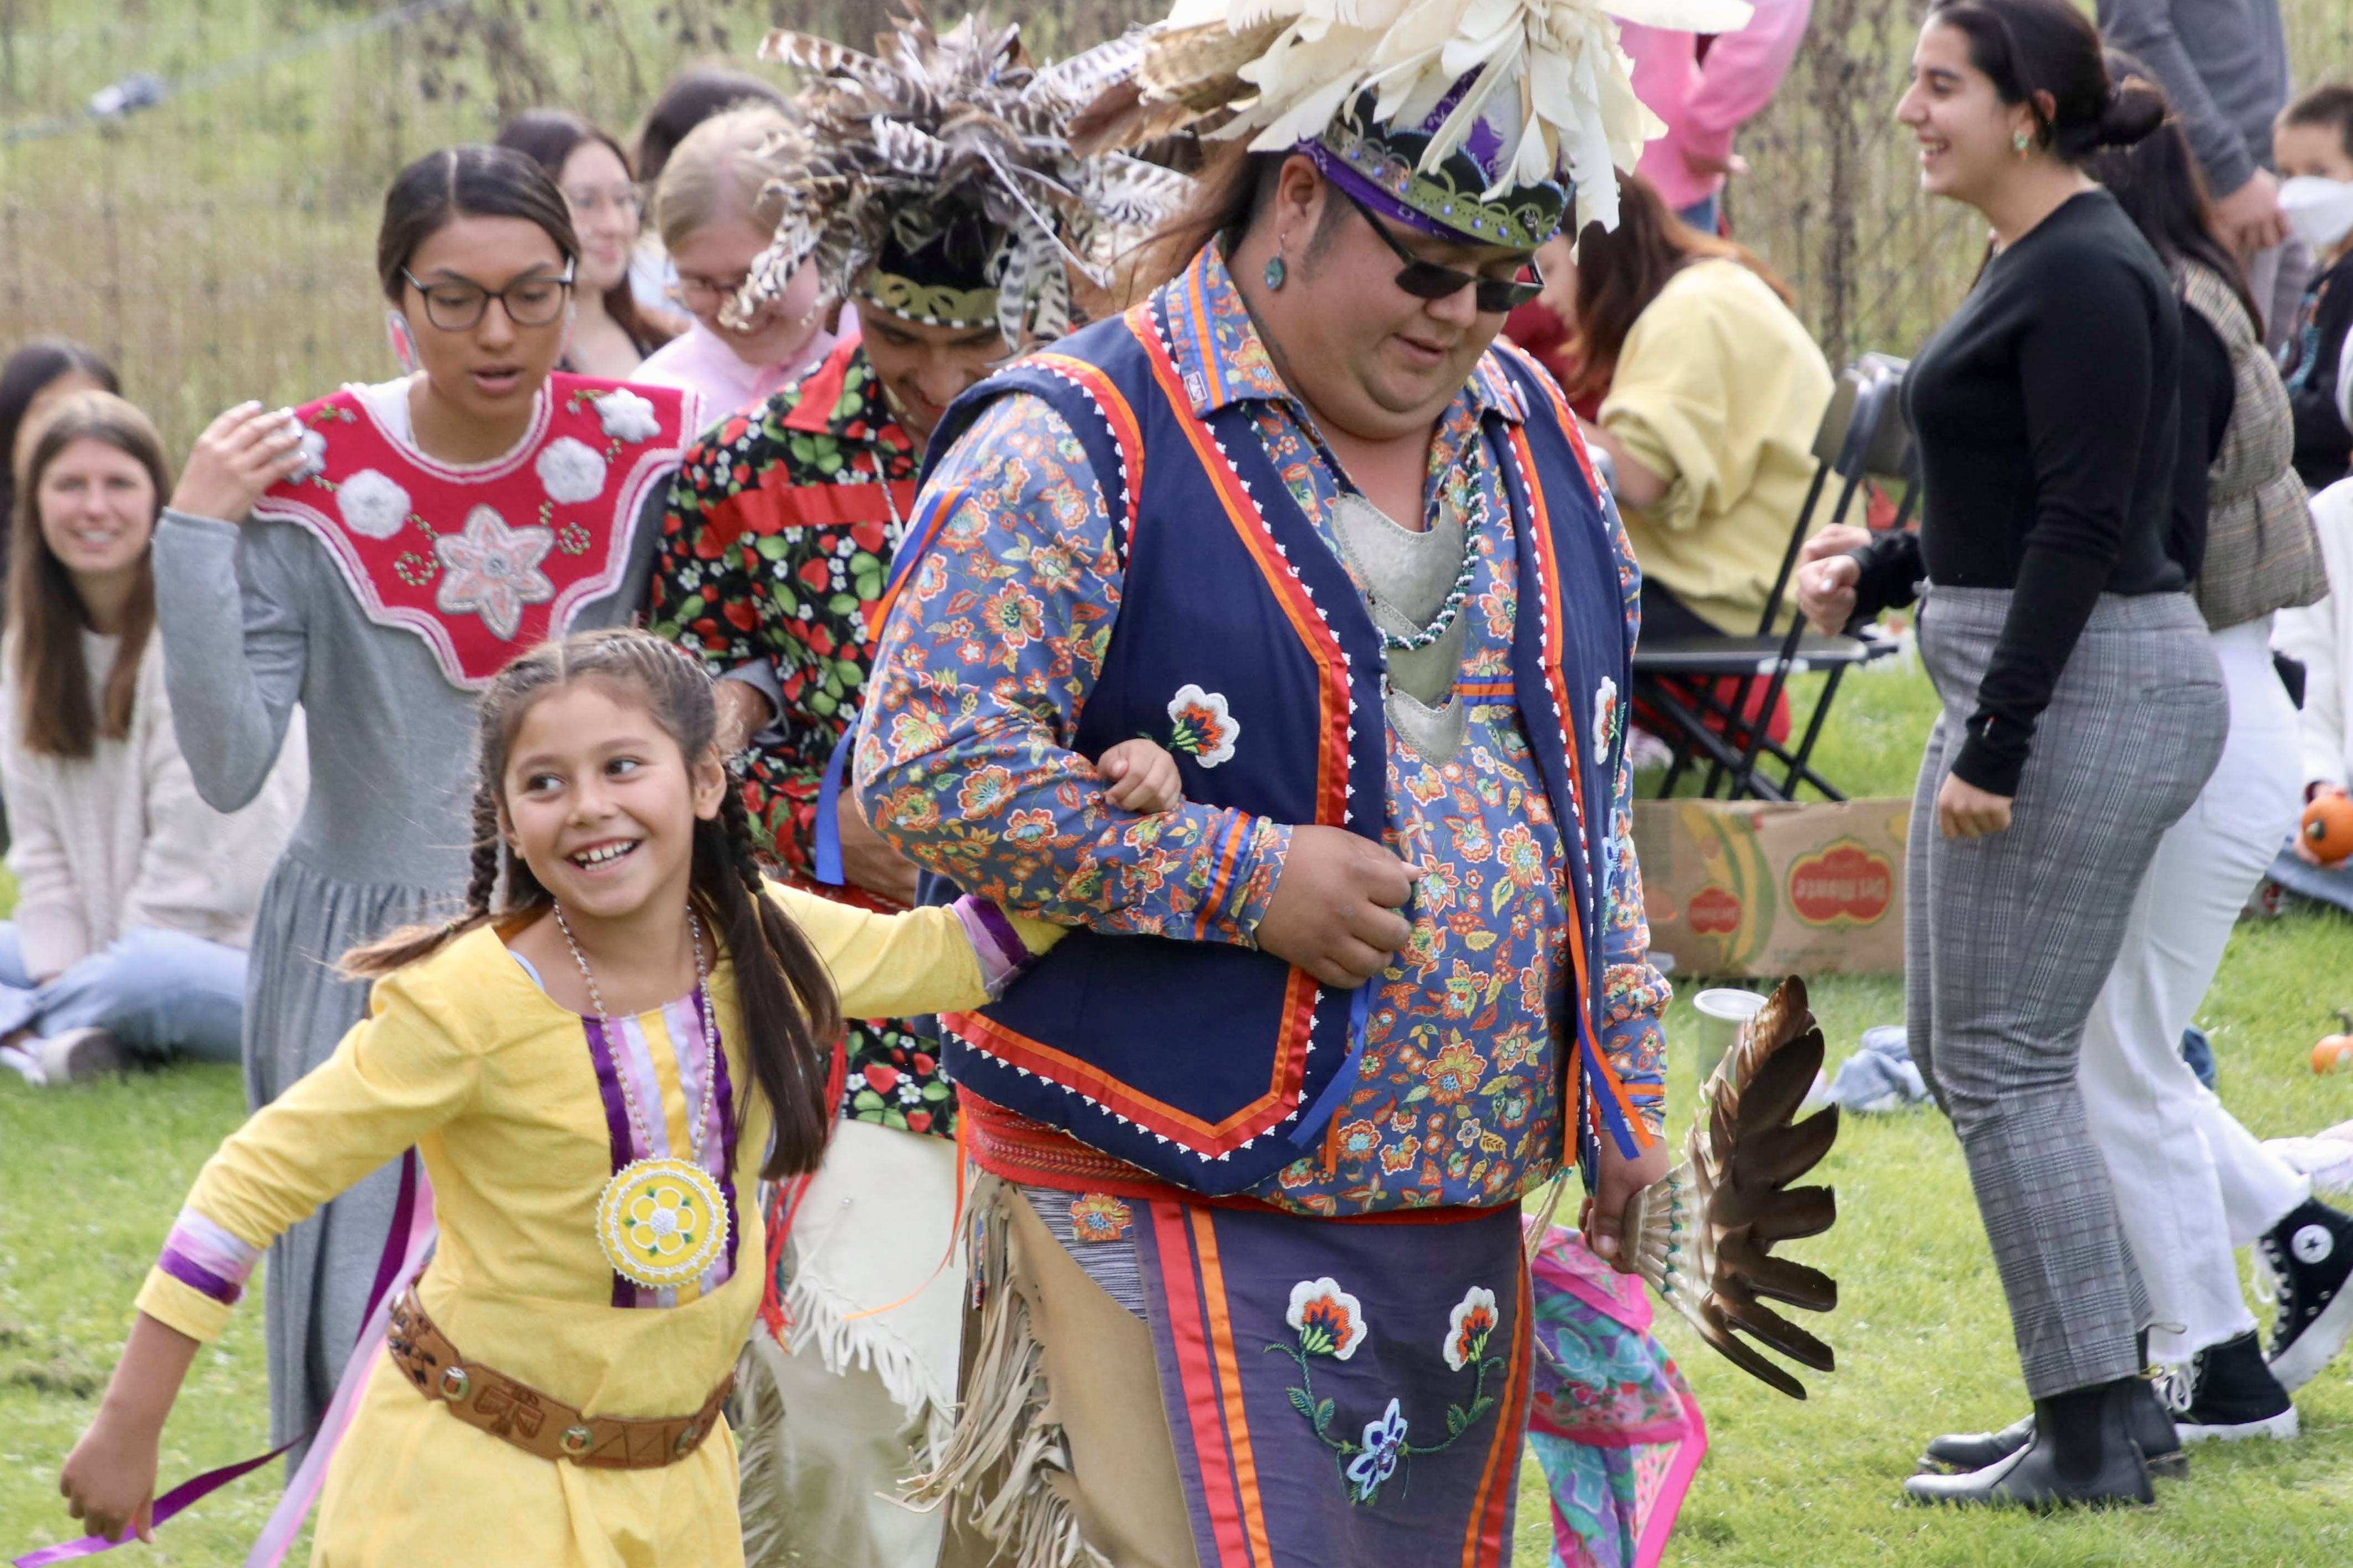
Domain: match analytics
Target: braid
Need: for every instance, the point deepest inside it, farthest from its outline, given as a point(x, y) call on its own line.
point(484, 877)
point(791, 1016)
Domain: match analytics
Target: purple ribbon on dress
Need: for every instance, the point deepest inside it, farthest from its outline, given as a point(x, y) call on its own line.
point(404, 1250)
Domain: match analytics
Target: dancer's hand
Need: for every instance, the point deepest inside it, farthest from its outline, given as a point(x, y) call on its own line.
point(1604, 1211)
point(744, 712)
point(1141, 778)
point(868, 861)
point(109, 1479)
point(240, 455)
point(1965, 810)
point(1334, 909)
point(1827, 579)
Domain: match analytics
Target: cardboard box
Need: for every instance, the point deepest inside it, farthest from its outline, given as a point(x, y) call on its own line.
point(1744, 888)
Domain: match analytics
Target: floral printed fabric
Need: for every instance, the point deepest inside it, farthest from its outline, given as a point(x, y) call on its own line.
point(753, 570)
point(993, 651)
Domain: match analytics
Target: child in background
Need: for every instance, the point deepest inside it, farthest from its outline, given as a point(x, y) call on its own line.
point(2314, 147)
point(592, 1068)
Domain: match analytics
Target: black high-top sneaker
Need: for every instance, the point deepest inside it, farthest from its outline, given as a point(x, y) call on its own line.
point(2233, 1394)
point(2309, 1253)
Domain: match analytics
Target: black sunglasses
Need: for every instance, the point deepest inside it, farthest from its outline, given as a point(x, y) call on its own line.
point(1428, 280)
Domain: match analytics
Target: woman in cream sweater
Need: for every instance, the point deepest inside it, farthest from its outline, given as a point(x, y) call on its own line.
point(135, 898)
point(1712, 393)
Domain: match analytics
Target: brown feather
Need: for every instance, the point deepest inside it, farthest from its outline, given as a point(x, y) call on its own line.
point(1703, 1237)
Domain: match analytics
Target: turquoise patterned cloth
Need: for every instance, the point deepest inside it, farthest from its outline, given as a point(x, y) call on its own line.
point(1609, 1417)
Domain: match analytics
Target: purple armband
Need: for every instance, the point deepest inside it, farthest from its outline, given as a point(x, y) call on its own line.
point(206, 1258)
point(1003, 955)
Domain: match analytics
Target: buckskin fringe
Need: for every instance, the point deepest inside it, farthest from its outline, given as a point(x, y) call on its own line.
point(758, 1414)
point(823, 1317)
point(995, 1467)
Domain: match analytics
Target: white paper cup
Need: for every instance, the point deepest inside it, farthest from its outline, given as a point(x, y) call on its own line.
point(1722, 1010)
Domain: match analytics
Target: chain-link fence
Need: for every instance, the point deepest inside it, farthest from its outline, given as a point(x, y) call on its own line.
point(217, 243)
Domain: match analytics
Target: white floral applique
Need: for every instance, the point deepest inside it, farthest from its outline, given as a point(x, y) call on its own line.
point(314, 457)
point(492, 571)
point(372, 504)
point(1202, 729)
point(1468, 1327)
point(626, 416)
point(571, 470)
point(1605, 719)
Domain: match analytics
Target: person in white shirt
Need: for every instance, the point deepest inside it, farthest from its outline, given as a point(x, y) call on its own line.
point(135, 900)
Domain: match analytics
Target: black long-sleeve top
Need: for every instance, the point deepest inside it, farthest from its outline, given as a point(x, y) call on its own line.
point(2046, 414)
point(2323, 448)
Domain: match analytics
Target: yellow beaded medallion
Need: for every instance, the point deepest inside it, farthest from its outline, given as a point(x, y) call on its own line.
point(661, 1222)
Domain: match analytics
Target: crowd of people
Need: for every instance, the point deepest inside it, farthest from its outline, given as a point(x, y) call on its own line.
point(719, 810)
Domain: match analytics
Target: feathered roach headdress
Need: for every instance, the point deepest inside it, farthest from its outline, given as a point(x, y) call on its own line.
point(934, 178)
point(1469, 119)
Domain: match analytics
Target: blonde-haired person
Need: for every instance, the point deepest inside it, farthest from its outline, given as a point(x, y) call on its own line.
point(136, 898)
point(714, 222)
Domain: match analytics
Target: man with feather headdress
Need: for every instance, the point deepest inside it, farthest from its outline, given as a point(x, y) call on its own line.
point(930, 187)
point(1255, 1135)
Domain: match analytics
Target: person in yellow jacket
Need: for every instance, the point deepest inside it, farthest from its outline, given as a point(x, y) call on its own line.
point(1711, 393)
point(593, 1069)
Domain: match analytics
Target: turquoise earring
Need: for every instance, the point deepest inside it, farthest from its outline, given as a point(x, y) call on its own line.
point(1275, 273)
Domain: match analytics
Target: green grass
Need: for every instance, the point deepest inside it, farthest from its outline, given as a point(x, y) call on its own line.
point(93, 1177)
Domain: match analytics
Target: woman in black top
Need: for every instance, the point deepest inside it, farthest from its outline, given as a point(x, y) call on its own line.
point(2083, 707)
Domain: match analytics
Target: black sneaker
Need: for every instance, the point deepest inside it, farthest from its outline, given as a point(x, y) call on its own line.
point(2309, 1255)
point(2233, 1394)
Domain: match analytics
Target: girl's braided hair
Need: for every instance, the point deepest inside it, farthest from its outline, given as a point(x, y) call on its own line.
point(790, 1013)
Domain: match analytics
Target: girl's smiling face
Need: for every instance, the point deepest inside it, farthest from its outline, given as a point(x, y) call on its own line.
point(601, 805)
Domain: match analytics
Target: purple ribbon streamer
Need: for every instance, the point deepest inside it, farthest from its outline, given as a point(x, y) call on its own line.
point(197, 1488)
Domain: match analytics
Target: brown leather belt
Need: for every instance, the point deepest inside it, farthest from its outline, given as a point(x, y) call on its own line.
point(486, 1397)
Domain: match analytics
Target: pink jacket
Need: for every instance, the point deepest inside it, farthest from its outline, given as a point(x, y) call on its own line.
point(1705, 103)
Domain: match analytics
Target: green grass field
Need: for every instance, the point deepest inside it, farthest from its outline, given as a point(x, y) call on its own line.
point(93, 1177)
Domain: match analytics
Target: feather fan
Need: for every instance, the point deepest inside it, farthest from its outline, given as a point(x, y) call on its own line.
point(1704, 1237)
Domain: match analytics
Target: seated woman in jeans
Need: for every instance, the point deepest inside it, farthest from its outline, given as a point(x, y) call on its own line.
point(134, 898)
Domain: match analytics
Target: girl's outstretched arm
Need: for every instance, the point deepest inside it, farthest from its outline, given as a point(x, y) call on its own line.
point(109, 1481)
point(944, 958)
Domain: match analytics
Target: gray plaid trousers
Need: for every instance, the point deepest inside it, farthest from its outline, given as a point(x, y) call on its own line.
point(2009, 937)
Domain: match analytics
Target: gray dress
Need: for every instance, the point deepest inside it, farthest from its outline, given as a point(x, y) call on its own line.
point(257, 618)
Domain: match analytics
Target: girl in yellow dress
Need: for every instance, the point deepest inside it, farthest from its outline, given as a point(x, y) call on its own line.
point(596, 1070)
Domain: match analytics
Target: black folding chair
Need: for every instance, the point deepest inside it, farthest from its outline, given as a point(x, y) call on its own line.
point(1863, 436)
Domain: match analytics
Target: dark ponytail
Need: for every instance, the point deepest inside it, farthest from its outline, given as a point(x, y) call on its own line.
point(2033, 50)
point(790, 1013)
point(466, 181)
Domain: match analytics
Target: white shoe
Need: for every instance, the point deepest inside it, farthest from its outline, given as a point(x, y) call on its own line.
point(78, 1056)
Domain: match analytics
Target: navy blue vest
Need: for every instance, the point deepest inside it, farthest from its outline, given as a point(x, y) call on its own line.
point(1212, 1066)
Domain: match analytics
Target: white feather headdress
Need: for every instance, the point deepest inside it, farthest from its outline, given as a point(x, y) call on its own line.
point(933, 128)
point(1547, 75)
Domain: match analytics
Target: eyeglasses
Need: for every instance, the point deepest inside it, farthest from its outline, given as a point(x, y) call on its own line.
point(694, 286)
point(1428, 280)
point(626, 199)
point(456, 305)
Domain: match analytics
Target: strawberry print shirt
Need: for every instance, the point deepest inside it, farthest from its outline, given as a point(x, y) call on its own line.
point(778, 534)
point(965, 764)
